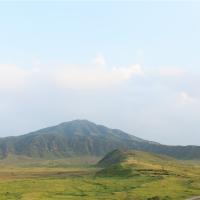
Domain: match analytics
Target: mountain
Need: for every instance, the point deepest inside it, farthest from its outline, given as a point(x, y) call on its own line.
point(83, 138)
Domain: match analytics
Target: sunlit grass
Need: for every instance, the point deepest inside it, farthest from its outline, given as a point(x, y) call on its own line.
point(156, 177)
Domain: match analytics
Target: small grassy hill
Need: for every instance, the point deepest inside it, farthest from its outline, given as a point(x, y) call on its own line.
point(130, 163)
point(161, 177)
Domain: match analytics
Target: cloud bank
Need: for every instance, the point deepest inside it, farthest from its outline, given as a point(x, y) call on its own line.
point(173, 72)
point(94, 76)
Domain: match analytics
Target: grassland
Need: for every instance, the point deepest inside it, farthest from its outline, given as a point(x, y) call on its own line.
point(140, 176)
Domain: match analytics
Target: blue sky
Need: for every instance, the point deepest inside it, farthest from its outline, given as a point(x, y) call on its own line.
point(128, 65)
point(167, 32)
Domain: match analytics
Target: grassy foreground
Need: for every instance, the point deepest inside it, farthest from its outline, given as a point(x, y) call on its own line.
point(152, 177)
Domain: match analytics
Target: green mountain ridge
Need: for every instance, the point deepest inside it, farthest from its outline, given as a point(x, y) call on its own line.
point(84, 138)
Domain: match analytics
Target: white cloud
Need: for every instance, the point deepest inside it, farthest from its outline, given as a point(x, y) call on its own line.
point(99, 60)
point(184, 98)
point(79, 77)
point(171, 72)
point(11, 77)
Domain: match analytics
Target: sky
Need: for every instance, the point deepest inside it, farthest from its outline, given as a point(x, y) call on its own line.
point(129, 65)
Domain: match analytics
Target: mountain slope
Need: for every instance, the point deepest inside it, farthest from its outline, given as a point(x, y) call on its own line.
point(80, 138)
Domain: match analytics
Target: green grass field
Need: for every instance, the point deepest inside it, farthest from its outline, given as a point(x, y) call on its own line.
point(154, 177)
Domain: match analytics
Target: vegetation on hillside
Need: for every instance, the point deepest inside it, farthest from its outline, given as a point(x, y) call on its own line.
point(135, 175)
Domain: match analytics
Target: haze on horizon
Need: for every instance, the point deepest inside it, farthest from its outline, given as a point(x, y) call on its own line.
point(128, 65)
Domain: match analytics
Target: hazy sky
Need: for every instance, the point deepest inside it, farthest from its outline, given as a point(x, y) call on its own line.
point(133, 66)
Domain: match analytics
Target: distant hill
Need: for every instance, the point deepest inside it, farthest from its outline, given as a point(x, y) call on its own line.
point(84, 138)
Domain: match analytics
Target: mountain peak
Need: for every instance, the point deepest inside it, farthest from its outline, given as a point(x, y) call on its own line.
point(78, 122)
